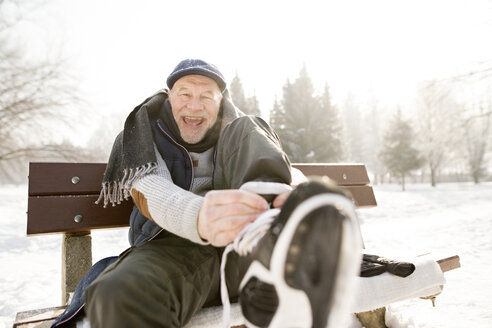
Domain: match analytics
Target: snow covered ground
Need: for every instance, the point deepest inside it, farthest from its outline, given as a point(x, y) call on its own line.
point(447, 220)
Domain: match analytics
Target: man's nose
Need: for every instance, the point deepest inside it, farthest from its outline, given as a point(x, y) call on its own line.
point(195, 104)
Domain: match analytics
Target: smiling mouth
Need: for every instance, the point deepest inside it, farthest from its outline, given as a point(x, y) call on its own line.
point(193, 120)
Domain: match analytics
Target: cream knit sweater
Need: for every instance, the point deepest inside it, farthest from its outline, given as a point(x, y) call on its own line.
point(172, 207)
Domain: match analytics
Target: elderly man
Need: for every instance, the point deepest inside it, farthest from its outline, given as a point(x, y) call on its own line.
point(200, 173)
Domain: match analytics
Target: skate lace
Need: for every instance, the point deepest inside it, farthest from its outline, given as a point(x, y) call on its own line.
point(244, 244)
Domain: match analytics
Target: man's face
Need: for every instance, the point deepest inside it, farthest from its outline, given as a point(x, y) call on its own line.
point(195, 101)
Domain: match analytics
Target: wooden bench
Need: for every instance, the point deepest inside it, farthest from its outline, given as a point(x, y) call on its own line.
point(62, 200)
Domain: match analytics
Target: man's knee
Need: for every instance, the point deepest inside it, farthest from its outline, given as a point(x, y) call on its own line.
point(117, 297)
point(106, 288)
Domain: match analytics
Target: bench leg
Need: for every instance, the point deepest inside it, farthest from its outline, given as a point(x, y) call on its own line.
point(373, 319)
point(76, 260)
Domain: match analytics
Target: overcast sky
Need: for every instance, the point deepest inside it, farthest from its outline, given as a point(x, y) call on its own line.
point(122, 51)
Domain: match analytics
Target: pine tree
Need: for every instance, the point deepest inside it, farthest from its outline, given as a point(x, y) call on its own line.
point(398, 154)
point(249, 105)
point(308, 126)
point(297, 105)
point(353, 124)
point(253, 106)
point(330, 127)
point(372, 142)
point(277, 115)
point(237, 93)
point(278, 119)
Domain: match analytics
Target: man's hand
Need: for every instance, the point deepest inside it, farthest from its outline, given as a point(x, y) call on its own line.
point(225, 213)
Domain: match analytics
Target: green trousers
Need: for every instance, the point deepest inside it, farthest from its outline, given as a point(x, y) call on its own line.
point(161, 283)
point(165, 281)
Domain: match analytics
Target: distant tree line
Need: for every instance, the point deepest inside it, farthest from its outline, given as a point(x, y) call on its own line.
point(443, 133)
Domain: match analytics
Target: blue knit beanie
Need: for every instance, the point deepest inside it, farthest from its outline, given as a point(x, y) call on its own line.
point(199, 67)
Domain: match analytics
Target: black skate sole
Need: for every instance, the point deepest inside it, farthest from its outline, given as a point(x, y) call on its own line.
point(313, 266)
point(312, 260)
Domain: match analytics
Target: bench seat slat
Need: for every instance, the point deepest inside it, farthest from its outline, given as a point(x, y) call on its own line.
point(449, 263)
point(342, 174)
point(363, 195)
point(48, 214)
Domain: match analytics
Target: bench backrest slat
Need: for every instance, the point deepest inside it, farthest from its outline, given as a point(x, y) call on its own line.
point(56, 178)
point(54, 200)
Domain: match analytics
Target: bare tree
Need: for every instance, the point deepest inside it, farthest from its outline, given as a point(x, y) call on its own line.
point(477, 135)
point(474, 123)
point(435, 120)
point(37, 95)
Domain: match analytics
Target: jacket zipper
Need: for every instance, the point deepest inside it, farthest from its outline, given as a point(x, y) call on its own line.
point(185, 150)
point(191, 165)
